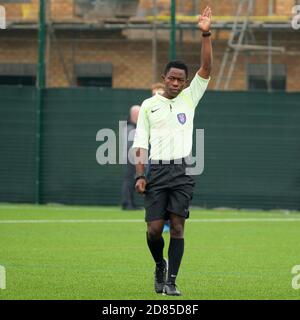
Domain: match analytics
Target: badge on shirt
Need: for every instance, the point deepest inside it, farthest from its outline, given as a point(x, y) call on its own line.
point(181, 118)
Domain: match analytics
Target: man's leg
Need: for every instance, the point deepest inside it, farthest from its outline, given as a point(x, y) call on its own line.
point(155, 240)
point(156, 200)
point(175, 252)
point(155, 243)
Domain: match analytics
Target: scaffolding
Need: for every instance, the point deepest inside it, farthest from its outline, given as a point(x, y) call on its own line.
point(238, 42)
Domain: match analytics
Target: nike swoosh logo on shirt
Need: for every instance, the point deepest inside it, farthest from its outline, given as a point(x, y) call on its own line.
point(155, 110)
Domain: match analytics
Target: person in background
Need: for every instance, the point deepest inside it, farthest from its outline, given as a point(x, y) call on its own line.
point(128, 185)
point(158, 87)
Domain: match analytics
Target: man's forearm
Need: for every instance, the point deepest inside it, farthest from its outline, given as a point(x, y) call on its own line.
point(206, 54)
point(206, 58)
point(139, 169)
point(141, 157)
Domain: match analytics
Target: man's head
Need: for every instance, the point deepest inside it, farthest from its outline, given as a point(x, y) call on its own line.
point(134, 113)
point(175, 78)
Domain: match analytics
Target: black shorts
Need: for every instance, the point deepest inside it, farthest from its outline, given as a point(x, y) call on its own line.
point(168, 190)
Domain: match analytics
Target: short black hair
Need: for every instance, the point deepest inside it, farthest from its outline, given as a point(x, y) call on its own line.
point(176, 64)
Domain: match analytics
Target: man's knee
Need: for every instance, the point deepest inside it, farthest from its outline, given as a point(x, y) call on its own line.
point(177, 227)
point(176, 231)
point(153, 235)
point(154, 231)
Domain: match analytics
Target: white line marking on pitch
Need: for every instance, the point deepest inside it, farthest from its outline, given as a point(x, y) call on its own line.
point(140, 220)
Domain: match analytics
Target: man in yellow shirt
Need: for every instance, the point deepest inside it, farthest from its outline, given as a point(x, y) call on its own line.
point(166, 122)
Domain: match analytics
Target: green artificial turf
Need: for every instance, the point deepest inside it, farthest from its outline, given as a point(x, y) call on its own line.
point(229, 254)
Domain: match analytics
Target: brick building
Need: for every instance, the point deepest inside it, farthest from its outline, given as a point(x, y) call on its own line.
point(115, 43)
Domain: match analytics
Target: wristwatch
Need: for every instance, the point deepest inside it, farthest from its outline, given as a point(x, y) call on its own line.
point(139, 176)
point(206, 34)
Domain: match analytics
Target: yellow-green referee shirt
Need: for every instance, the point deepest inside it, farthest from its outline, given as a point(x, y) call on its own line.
point(167, 124)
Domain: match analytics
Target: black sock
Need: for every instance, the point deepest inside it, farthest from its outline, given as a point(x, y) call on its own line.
point(175, 253)
point(156, 249)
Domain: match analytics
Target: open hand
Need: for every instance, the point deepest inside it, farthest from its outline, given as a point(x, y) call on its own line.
point(204, 21)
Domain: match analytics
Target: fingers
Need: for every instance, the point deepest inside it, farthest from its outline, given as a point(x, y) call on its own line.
point(140, 186)
point(141, 190)
point(138, 190)
point(207, 12)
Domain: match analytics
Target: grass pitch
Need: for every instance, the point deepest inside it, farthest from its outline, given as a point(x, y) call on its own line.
point(71, 252)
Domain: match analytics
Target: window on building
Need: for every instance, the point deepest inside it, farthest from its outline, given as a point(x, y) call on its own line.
point(15, 74)
point(15, 1)
point(258, 77)
point(106, 8)
point(94, 75)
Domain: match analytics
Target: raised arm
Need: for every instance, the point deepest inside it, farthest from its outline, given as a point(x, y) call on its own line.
point(204, 24)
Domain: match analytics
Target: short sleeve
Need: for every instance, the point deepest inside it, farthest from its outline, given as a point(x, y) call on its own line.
point(196, 89)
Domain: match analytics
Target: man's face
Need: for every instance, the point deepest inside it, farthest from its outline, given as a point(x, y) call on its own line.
point(175, 81)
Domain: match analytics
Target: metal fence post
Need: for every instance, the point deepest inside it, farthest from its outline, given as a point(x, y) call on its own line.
point(40, 90)
point(172, 48)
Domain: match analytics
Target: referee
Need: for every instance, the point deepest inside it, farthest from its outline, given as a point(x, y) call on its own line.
point(166, 122)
